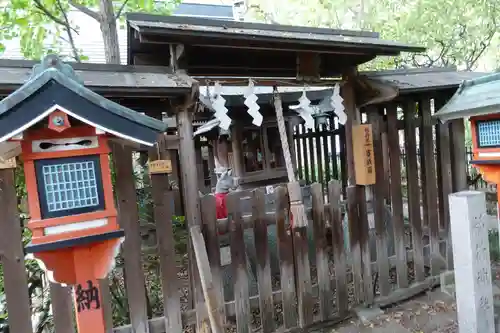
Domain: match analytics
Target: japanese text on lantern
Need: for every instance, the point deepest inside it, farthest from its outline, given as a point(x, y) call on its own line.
point(87, 299)
point(364, 163)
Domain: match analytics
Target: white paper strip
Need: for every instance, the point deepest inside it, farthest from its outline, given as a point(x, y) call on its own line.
point(304, 110)
point(308, 118)
point(338, 105)
point(218, 103)
point(251, 103)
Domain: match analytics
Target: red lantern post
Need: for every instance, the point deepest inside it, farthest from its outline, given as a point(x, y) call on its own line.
point(62, 131)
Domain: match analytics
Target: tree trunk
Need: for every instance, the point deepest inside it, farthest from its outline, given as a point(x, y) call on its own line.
point(109, 32)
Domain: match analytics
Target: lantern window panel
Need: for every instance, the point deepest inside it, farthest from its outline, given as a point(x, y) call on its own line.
point(488, 133)
point(69, 186)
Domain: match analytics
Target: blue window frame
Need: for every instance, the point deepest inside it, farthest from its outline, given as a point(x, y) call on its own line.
point(69, 186)
point(488, 133)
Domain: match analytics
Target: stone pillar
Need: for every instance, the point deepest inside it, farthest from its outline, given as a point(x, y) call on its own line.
point(472, 262)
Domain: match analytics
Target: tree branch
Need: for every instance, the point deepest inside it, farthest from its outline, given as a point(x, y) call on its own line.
point(74, 50)
point(120, 11)
point(478, 52)
point(57, 20)
point(86, 10)
point(268, 17)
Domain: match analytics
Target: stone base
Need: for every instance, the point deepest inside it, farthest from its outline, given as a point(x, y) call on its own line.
point(367, 315)
point(447, 282)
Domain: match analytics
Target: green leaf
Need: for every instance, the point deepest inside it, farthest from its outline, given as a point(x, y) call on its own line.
point(22, 21)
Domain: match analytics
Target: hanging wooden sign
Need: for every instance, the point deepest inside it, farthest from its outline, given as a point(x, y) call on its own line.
point(160, 166)
point(364, 161)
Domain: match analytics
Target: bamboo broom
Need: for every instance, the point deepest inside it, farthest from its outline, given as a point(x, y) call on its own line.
point(294, 191)
point(298, 223)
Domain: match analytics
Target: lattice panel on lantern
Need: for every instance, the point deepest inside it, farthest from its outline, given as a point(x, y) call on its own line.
point(70, 185)
point(488, 133)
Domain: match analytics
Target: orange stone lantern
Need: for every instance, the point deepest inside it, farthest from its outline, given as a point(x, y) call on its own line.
point(62, 131)
point(479, 100)
point(486, 146)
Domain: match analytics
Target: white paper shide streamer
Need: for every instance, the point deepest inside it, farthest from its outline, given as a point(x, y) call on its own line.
point(251, 103)
point(218, 103)
point(305, 110)
point(338, 105)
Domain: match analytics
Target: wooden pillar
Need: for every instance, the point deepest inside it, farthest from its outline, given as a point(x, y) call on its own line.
point(459, 164)
point(353, 118)
point(128, 217)
point(221, 152)
point(162, 198)
point(385, 153)
point(190, 195)
point(237, 152)
point(358, 220)
point(188, 160)
point(173, 155)
point(211, 163)
point(108, 309)
point(290, 129)
point(375, 117)
point(458, 168)
point(62, 308)
point(12, 257)
point(430, 190)
point(199, 167)
point(414, 210)
point(204, 293)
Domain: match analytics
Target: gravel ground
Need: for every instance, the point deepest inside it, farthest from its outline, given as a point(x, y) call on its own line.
point(432, 312)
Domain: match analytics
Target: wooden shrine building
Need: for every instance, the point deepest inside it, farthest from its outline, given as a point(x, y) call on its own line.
point(169, 59)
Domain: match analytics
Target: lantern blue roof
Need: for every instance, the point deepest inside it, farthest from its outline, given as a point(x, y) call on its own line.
point(476, 97)
point(54, 85)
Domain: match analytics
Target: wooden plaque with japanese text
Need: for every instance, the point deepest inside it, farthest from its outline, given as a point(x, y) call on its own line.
point(160, 167)
point(364, 161)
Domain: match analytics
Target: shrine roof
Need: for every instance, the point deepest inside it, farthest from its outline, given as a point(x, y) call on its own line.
point(475, 97)
point(55, 86)
point(416, 80)
point(215, 48)
point(320, 37)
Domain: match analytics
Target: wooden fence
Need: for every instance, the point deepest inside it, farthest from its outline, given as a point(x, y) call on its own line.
point(344, 269)
point(334, 282)
point(320, 155)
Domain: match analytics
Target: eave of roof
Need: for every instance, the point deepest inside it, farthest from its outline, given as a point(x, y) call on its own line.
point(36, 83)
point(107, 80)
point(53, 85)
point(475, 97)
point(209, 29)
point(416, 80)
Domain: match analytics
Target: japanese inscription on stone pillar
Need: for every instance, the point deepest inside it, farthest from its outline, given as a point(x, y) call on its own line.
point(472, 262)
